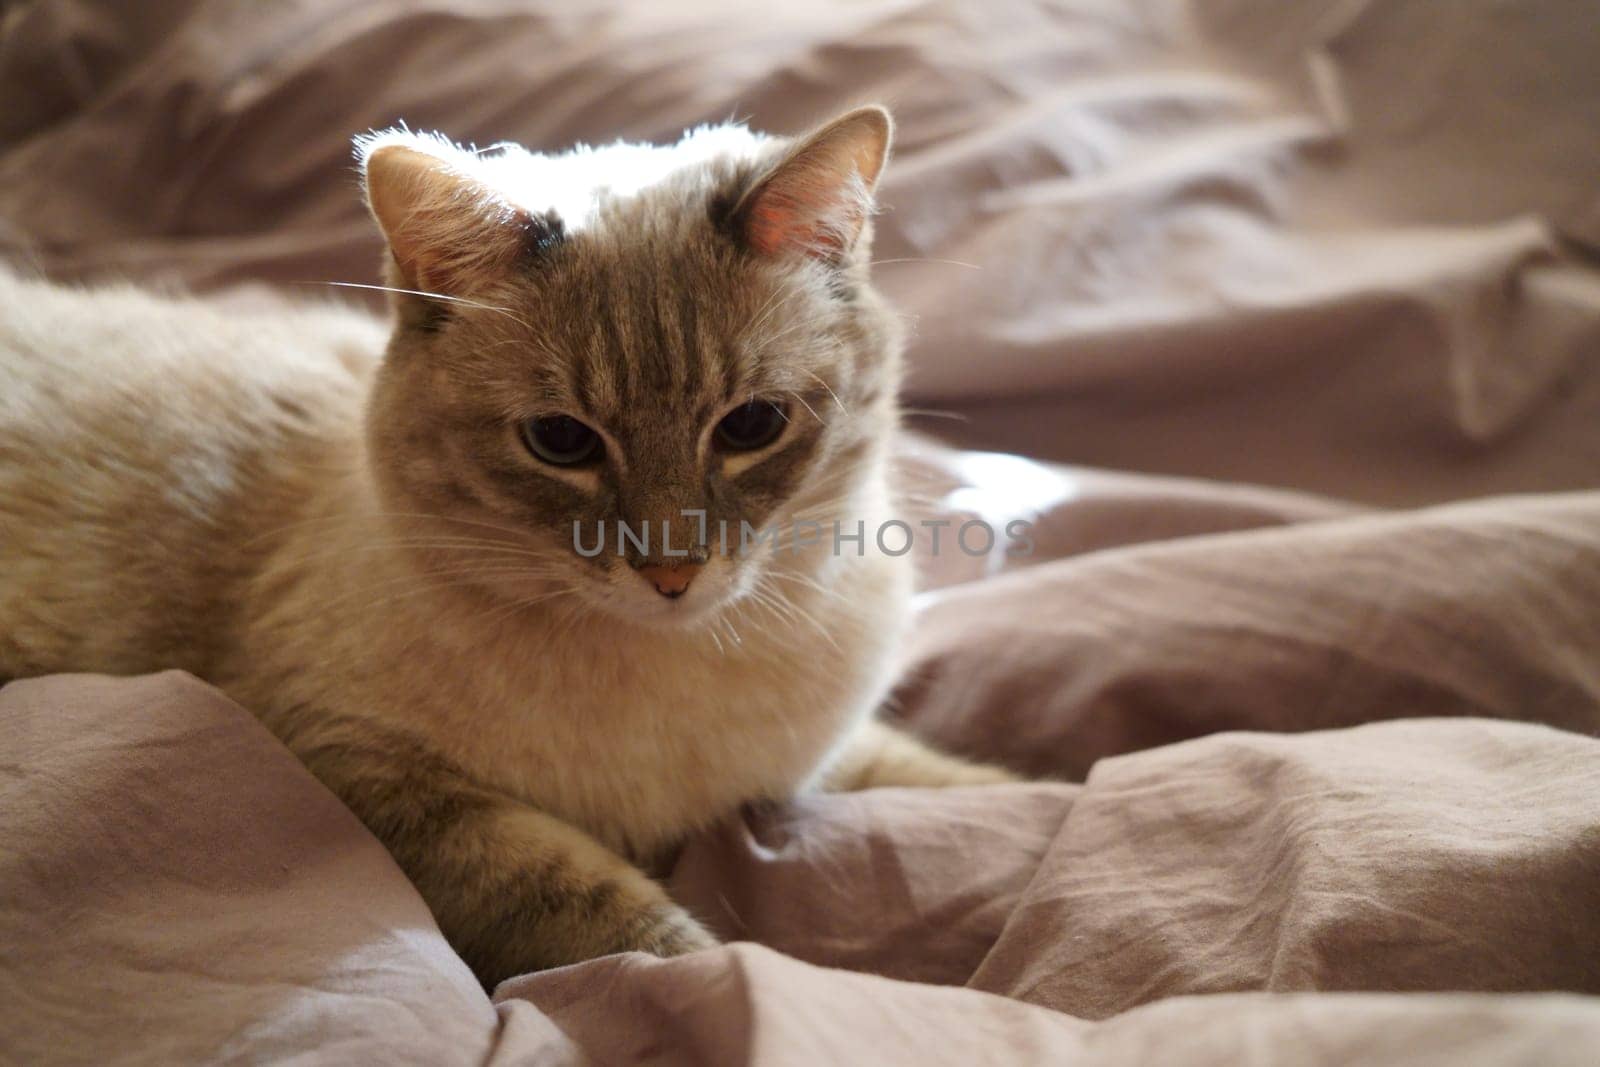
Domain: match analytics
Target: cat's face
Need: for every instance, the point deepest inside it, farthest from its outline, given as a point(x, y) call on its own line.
point(638, 403)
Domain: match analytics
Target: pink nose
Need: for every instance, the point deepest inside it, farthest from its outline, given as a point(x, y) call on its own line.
point(670, 580)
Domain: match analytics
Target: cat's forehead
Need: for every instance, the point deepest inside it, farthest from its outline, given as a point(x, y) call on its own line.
point(613, 333)
point(651, 346)
point(655, 302)
point(644, 308)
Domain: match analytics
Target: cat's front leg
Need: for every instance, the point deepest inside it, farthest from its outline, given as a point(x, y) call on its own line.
point(877, 754)
point(513, 889)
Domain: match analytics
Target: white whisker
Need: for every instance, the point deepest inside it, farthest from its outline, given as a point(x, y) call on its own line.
point(925, 259)
point(831, 393)
point(807, 406)
point(431, 296)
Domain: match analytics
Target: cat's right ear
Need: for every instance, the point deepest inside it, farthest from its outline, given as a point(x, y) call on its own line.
point(450, 234)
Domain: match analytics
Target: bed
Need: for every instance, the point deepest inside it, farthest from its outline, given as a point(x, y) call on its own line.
point(1280, 323)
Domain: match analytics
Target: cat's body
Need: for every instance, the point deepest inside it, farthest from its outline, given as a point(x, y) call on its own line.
point(144, 535)
point(346, 543)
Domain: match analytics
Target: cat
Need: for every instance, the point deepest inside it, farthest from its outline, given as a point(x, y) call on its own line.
point(374, 535)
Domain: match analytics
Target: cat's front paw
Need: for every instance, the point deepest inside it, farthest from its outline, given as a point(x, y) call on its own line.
point(671, 931)
point(979, 774)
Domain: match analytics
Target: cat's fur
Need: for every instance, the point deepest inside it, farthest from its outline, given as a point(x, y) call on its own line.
point(362, 552)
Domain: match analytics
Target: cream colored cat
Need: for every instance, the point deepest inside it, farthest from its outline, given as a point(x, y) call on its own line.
point(381, 556)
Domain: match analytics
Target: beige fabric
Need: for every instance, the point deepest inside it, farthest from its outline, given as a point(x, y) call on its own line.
point(177, 887)
point(1302, 747)
point(1490, 609)
point(1332, 245)
point(174, 886)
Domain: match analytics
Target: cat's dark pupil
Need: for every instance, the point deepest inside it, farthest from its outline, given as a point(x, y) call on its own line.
point(560, 439)
point(750, 426)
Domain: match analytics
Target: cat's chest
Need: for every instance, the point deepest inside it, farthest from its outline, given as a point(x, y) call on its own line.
point(644, 747)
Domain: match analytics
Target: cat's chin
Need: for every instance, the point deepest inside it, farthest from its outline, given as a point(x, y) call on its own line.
point(680, 617)
point(659, 613)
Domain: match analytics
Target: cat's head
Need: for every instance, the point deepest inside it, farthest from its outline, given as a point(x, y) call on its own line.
point(682, 340)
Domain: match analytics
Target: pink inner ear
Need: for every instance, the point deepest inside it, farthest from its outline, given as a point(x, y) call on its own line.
point(814, 206)
point(777, 222)
point(768, 226)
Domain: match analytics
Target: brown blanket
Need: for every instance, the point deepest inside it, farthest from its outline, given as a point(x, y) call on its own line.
point(1339, 245)
point(176, 886)
point(1326, 777)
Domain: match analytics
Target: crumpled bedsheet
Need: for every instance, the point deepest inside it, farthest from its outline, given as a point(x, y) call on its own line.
point(1338, 245)
point(1324, 793)
point(1320, 760)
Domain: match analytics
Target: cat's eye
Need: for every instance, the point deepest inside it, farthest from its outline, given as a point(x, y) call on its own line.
point(560, 440)
point(751, 426)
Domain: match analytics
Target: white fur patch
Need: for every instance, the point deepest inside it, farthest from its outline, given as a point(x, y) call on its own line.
point(571, 183)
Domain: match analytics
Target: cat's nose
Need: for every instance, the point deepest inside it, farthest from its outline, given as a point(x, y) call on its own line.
point(670, 579)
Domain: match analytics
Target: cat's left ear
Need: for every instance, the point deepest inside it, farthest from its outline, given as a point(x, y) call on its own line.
point(817, 201)
point(449, 233)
